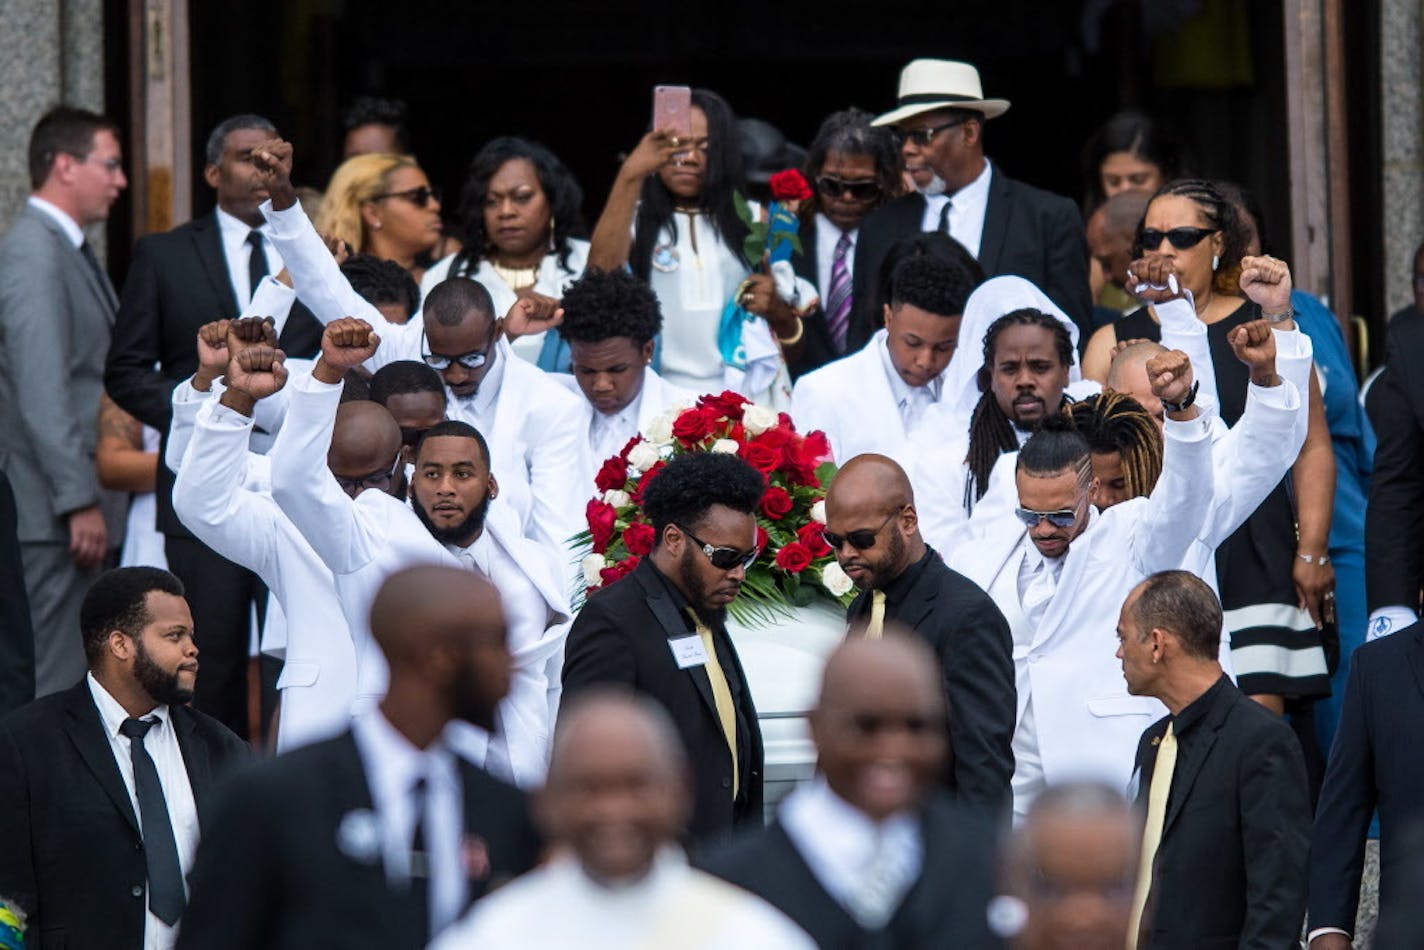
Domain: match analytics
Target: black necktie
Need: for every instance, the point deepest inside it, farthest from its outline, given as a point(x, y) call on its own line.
point(419, 857)
point(90, 258)
point(165, 874)
point(943, 218)
point(256, 264)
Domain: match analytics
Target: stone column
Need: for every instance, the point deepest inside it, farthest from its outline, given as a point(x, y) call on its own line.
point(51, 53)
point(1402, 145)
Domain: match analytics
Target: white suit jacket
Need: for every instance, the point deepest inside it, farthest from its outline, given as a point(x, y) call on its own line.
point(214, 500)
point(657, 396)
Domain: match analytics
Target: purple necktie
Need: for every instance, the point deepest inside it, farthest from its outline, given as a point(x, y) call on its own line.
point(838, 299)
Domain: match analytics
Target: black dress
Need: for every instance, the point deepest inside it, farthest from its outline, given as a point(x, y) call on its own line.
point(1275, 647)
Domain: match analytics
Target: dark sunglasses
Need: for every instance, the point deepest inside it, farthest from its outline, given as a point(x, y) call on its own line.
point(471, 360)
point(833, 187)
point(923, 137)
point(1183, 239)
point(864, 538)
point(420, 197)
point(380, 479)
point(1062, 518)
point(724, 559)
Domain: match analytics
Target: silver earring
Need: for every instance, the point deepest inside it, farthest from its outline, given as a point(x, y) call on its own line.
point(1215, 262)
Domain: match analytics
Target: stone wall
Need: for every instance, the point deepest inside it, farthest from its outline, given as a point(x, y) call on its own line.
point(1402, 143)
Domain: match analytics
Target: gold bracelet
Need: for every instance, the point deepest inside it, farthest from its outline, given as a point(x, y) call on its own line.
point(795, 337)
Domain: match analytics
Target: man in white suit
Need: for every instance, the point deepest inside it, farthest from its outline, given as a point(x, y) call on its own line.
point(610, 321)
point(879, 399)
point(363, 534)
point(534, 433)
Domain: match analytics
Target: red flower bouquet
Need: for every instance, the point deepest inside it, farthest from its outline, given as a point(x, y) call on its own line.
point(795, 567)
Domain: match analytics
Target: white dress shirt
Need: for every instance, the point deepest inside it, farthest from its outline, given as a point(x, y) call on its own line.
point(238, 254)
point(393, 767)
point(609, 432)
point(865, 866)
point(68, 225)
point(827, 237)
point(161, 743)
point(912, 401)
point(559, 907)
point(966, 212)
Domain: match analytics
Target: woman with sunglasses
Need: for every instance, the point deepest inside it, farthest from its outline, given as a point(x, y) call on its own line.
point(1273, 574)
point(521, 232)
point(382, 205)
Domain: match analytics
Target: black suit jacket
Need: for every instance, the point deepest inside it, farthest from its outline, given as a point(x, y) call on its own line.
point(1028, 232)
point(73, 853)
point(177, 282)
point(1374, 763)
point(620, 638)
point(1394, 520)
point(819, 348)
point(947, 906)
point(1232, 864)
point(975, 648)
point(281, 866)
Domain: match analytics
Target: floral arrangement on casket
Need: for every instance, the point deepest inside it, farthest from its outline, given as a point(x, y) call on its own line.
point(795, 567)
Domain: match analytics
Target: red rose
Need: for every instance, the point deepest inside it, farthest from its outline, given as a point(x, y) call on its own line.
point(775, 504)
point(618, 571)
point(815, 449)
point(794, 558)
point(790, 185)
point(643, 482)
point(728, 404)
point(601, 519)
point(628, 447)
point(776, 438)
point(613, 474)
point(763, 539)
point(694, 425)
point(638, 538)
point(810, 534)
point(760, 457)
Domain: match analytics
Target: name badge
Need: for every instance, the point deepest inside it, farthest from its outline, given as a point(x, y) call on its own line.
point(688, 652)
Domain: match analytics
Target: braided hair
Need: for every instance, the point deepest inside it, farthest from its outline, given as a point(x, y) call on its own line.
point(991, 432)
point(1220, 214)
point(1115, 422)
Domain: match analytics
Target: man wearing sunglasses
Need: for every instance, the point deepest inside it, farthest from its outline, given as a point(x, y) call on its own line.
point(1010, 227)
point(1059, 569)
point(872, 526)
point(661, 631)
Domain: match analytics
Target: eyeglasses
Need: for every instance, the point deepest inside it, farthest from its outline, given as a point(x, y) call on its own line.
point(110, 165)
point(833, 187)
point(923, 137)
point(864, 538)
point(374, 480)
point(1183, 239)
point(420, 197)
point(471, 360)
point(724, 559)
point(1062, 518)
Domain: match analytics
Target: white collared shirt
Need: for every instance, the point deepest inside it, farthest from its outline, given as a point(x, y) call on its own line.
point(161, 743)
point(237, 253)
point(393, 766)
point(827, 237)
point(912, 401)
point(839, 861)
point(71, 228)
point(966, 212)
point(609, 432)
point(478, 410)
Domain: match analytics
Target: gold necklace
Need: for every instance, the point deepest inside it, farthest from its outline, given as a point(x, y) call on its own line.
point(516, 277)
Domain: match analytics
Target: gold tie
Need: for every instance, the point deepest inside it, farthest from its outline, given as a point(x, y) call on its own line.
point(876, 627)
point(721, 695)
point(1152, 834)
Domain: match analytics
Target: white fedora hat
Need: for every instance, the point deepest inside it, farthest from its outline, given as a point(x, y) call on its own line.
point(930, 84)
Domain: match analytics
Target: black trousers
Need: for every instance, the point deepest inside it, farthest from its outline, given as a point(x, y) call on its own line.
point(17, 639)
point(221, 595)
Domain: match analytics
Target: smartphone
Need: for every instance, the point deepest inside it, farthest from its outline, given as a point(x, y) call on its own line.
point(672, 109)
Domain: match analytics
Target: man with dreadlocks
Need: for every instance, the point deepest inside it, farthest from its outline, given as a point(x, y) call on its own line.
point(1062, 567)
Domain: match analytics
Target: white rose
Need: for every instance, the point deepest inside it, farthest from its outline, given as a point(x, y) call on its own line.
point(591, 566)
point(616, 497)
point(757, 419)
point(835, 580)
point(660, 429)
point(643, 456)
point(725, 446)
point(818, 512)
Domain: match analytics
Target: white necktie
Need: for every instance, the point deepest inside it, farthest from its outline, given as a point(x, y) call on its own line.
point(886, 879)
point(913, 406)
point(1039, 593)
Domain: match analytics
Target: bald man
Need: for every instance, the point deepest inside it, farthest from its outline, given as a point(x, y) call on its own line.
point(617, 801)
point(380, 836)
point(872, 853)
point(872, 525)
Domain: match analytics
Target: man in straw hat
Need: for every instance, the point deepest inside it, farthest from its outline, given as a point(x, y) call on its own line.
point(1010, 227)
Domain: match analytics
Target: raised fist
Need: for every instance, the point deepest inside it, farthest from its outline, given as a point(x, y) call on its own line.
point(339, 249)
point(1255, 345)
point(1266, 281)
point(532, 313)
point(348, 343)
point(1170, 375)
point(257, 371)
point(247, 332)
point(273, 161)
point(1154, 279)
point(212, 348)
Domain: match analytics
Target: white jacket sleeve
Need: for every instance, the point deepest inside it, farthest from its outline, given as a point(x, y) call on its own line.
point(1253, 456)
point(1173, 515)
point(1182, 330)
point(558, 460)
point(336, 527)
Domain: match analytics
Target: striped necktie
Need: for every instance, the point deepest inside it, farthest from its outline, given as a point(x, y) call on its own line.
point(1157, 794)
point(838, 298)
